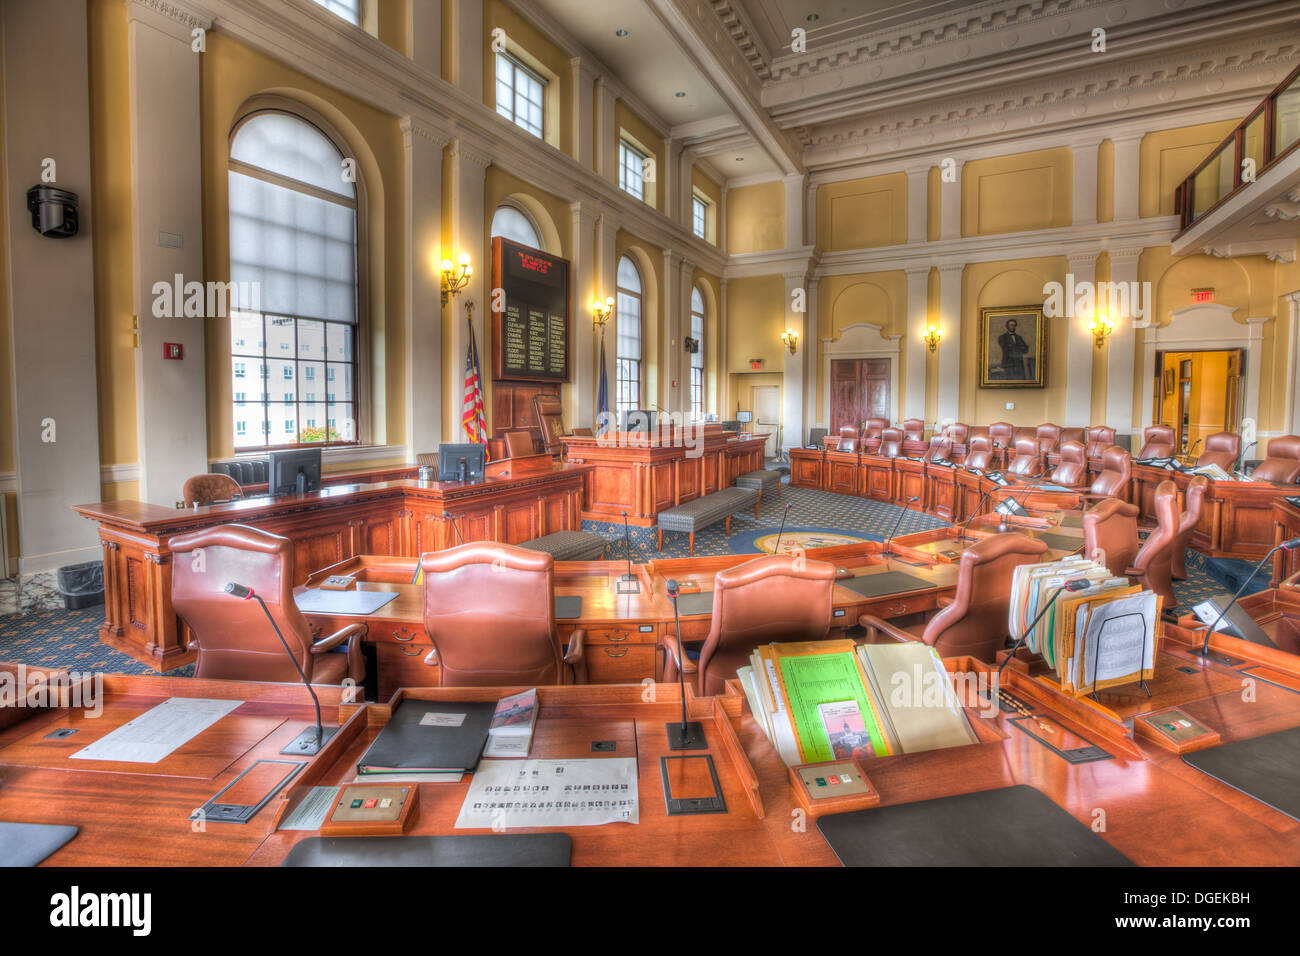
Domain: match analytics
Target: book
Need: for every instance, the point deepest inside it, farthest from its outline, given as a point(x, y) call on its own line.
point(429, 736)
point(920, 704)
point(846, 732)
point(511, 732)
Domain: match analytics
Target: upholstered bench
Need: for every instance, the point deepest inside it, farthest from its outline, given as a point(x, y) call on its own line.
point(764, 482)
point(697, 515)
point(570, 546)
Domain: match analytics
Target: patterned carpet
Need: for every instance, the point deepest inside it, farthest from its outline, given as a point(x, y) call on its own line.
point(46, 634)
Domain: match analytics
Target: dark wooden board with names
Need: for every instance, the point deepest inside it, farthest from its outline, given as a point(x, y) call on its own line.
point(530, 335)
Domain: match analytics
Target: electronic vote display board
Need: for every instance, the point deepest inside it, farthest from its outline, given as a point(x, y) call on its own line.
point(530, 333)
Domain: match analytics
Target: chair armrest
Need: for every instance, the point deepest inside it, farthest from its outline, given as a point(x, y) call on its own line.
point(1292, 582)
point(944, 600)
point(338, 637)
point(873, 624)
point(577, 642)
point(669, 642)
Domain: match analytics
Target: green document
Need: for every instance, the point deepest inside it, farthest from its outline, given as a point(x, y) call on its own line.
point(815, 679)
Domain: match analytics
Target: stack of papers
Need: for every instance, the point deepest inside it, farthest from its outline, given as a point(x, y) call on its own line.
point(511, 731)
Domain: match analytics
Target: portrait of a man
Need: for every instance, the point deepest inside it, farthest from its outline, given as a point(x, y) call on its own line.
point(1012, 348)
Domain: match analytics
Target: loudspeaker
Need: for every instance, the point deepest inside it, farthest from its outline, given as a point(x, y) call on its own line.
point(54, 211)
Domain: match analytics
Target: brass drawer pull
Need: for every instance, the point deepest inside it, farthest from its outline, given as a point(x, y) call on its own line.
point(616, 635)
point(411, 651)
point(619, 652)
point(398, 637)
point(898, 609)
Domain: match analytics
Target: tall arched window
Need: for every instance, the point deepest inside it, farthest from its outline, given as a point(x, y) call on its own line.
point(697, 357)
point(628, 377)
point(293, 266)
point(511, 223)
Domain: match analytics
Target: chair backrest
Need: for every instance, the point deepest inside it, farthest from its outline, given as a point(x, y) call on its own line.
point(815, 436)
point(1116, 469)
point(1049, 437)
point(549, 414)
point(1098, 438)
point(203, 489)
point(874, 427)
point(235, 640)
point(1023, 431)
point(581, 433)
point(1193, 501)
point(520, 444)
point(1110, 534)
point(1073, 469)
point(1222, 449)
point(848, 439)
point(490, 611)
point(913, 430)
point(958, 433)
point(1283, 461)
point(771, 598)
point(1001, 433)
point(1026, 460)
point(1154, 558)
point(979, 452)
point(976, 621)
point(1157, 442)
point(891, 442)
point(979, 430)
point(940, 449)
point(1073, 434)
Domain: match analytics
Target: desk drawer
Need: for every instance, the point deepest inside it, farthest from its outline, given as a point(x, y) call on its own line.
point(403, 665)
point(619, 663)
point(901, 605)
point(629, 634)
point(397, 633)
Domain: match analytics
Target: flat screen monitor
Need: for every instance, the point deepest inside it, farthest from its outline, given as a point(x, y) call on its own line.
point(744, 417)
point(294, 471)
point(638, 420)
point(461, 462)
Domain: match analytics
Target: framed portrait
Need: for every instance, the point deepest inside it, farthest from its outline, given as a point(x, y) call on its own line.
point(1013, 347)
point(1169, 381)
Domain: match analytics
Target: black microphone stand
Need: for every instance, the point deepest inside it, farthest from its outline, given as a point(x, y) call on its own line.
point(902, 514)
point(688, 735)
point(1289, 545)
point(975, 514)
point(312, 739)
point(1003, 525)
point(781, 530)
point(628, 583)
point(448, 517)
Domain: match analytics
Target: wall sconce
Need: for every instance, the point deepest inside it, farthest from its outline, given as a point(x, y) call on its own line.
point(601, 311)
point(932, 335)
point(455, 277)
point(1101, 327)
point(791, 339)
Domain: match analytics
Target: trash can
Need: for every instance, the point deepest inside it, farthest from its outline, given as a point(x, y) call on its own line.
point(82, 585)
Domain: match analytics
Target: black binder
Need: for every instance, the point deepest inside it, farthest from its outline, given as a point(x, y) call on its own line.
point(407, 745)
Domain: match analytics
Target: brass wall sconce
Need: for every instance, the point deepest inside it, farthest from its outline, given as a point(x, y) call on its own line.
point(791, 340)
point(601, 312)
point(932, 335)
point(1101, 327)
point(455, 277)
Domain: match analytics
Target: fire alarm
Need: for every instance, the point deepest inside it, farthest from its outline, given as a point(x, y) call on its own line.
point(173, 350)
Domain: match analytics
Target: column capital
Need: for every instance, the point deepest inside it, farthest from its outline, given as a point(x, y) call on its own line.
point(920, 169)
point(949, 268)
point(1293, 298)
point(915, 272)
point(1125, 254)
point(582, 66)
point(186, 16)
point(1083, 257)
point(584, 213)
point(462, 151)
point(1135, 136)
point(412, 126)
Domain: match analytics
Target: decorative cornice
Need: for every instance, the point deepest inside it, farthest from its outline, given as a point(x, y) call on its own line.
point(411, 126)
point(459, 149)
point(115, 474)
point(187, 15)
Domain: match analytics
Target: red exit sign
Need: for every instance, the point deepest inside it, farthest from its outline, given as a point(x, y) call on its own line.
point(755, 364)
point(1202, 295)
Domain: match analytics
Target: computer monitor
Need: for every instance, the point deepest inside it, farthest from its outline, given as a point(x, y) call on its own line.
point(294, 471)
point(461, 462)
point(638, 420)
point(744, 417)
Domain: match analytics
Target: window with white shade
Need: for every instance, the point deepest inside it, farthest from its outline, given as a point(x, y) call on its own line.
point(510, 223)
point(627, 380)
point(631, 169)
point(699, 217)
point(521, 94)
point(293, 243)
point(697, 357)
point(349, 10)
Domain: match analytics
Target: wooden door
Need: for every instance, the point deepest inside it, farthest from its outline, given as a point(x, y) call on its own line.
point(875, 381)
point(860, 389)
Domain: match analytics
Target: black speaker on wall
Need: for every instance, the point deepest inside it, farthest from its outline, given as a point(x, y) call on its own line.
point(54, 211)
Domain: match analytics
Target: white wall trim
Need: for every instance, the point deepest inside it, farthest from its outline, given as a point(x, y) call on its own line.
point(124, 471)
point(862, 340)
point(8, 482)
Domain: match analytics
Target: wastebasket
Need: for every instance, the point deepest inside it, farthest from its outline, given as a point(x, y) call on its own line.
point(82, 585)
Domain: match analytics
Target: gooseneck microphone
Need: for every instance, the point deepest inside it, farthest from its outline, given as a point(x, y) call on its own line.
point(688, 735)
point(628, 583)
point(975, 514)
point(1015, 506)
point(781, 530)
point(312, 739)
point(1074, 584)
point(1241, 459)
point(1291, 544)
point(447, 517)
point(890, 540)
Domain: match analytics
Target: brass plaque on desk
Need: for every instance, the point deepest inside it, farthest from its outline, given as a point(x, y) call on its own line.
point(371, 810)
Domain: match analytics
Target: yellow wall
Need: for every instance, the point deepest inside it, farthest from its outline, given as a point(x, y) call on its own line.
point(862, 213)
point(755, 218)
point(1167, 157)
point(756, 317)
point(1017, 193)
point(527, 44)
point(627, 122)
point(878, 298)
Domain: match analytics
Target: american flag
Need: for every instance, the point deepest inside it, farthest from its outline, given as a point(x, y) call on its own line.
point(472, 419)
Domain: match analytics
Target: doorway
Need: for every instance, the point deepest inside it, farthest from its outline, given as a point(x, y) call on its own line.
point(767, 415)
point(859, 390)
point(1199, 393)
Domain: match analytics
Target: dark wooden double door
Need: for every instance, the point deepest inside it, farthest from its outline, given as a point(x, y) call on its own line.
point(859, 390)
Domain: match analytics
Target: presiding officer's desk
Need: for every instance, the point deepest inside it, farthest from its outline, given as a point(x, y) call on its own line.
point(1154, 809)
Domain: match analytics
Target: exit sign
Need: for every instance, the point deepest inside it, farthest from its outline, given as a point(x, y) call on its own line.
point(1202, 295)
point(755, 364)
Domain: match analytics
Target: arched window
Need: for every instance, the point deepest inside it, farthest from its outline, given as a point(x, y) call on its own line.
point(511, 223)
point(293, 270)
point(627, 381)
point(697, 357)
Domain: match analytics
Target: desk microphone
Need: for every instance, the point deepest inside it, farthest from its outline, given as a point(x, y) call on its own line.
point(1074, 584)
point(1195, 444)
point(1241, 459)
point(975, 514)
point(781, 530)
point(890, 540)
point(688, 735)
point(1015, 506)
point(448, 517)
point(312, 739)
point(1292, 544)
point(627, 584)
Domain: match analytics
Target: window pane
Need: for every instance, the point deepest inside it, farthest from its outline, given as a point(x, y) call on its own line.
point(292, 147)
point(311, 382)
point(282, 422)
point(246, 333)
point(343, 425)
point(338, 339)
point(312, 426)
point(628, 277)
point(338, 383)
point(311, 340)
point(510, 223)
point(249, 418)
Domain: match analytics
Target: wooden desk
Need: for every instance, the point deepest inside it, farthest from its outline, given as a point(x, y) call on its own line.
point(401, 517)
point(1286, 525)
point(1238, 518)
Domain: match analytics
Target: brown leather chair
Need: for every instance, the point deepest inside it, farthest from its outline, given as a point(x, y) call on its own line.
point(913, 430)
point(1152, 566)
point(831, 442)
point(1222, 449)
point(1023, 431)
point(771, 598)
point(1158, 441)
point(979, 452)
point(1049, 437)
point(939, 449)
point(958, 433)
point(1026, 461)
point(1116, 470)
point(1283, 461)
point(848, 439)
point(1193, 501)
point(1073, 434)
point(1073, 469)
point(1000, 433)
point(489, 609)
point(1110, 535)
point(520, 444)
point(873, 428)
point(233, 637)
point(976, 621)
point(581, 433)
point(1097, 439)
point(205, 489)
point(891, 442)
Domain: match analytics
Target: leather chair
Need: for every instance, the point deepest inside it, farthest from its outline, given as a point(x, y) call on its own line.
point(1110, 535)
point(1116, 470)
point(1026, 461)
point(975, 623)
point(771, 598)
point(490, 611)
point(1152, 566)
point(1283, 461)
point(1193, 502)
point(891, 442)
point(939, 449)
point(914, 430)
point(979, 452)
point(1222, 449)
point(815, 436)
point(1073, 469)
point(959, 433)
point(1158, 441)
point(848, 439)
point(1021, 432)
point(873, 428)
point(1000, 433)
point(205, 489)
point(1097, 439)
point(520, 444)
point(1049, 437)
point(581, 433)
point(233, 637)
point(1074, 434)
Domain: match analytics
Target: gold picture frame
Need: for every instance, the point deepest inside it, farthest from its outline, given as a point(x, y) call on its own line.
point(1013, 347)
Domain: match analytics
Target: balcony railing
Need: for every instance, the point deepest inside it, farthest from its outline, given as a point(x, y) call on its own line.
point(1271, 131)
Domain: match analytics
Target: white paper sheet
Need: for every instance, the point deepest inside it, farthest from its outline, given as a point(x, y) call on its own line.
point(551, 793)
point(311, 813)
point(159, 731)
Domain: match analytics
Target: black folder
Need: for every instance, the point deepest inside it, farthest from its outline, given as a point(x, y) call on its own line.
point(469, 849)
point(407, 745)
